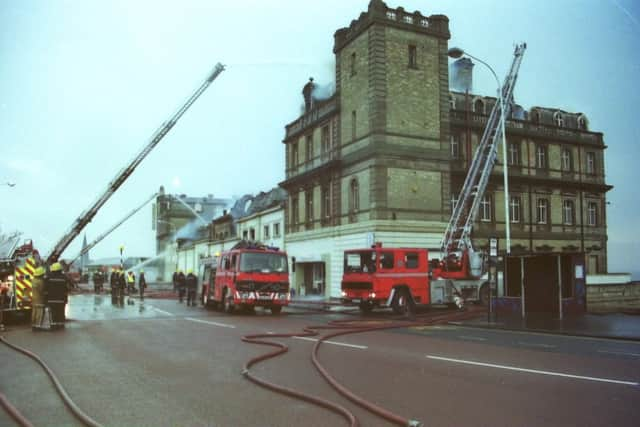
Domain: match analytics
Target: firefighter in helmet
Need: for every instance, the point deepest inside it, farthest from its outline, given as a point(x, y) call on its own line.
point(38, 299)
point(191, 282)
point(142, 283)
point(181, 285)
point(57, 287)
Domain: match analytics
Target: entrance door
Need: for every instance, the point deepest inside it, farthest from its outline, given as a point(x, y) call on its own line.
point(541, 285)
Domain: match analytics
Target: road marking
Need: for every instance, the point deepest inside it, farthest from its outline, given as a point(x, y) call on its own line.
point(619, 352)
point(533, 344)
point(469, 337)
point(532, 371)
point(361, 347)
point(163, 312)
point(224, 325)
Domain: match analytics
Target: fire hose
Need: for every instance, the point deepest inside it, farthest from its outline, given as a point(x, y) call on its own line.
point(75, 410)
point(341, 327)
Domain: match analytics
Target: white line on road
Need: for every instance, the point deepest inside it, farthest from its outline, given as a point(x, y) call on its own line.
point(469, 337)
point(619, 352)
point(163, 312)
point(532, 371)
point(224, 325)
point(361, 347)
point(533, 344)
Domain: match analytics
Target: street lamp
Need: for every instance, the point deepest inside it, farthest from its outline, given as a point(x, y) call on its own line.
point(456, 52)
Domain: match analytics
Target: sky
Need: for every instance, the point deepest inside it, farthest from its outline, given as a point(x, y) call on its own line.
point(85, 83)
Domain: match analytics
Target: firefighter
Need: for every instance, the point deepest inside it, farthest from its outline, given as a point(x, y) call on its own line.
point(180, 283)
point(113, 281)
point(98, 280)
point(122, 286)
point(131, 282)
point(191, 282)
point(175, 280)
point(57, 287)
point(38, 299)
point(142, 283)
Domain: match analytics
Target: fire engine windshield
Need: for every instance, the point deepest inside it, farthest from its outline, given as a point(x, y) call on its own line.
point(263, 262)
point(360, 262)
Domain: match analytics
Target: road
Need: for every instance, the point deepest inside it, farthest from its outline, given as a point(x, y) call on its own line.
point(164, 364)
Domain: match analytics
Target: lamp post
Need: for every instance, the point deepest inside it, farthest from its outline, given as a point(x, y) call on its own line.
point(456, 52)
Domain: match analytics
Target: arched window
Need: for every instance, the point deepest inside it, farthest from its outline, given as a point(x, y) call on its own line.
point(558, 119)
point(354, 196)
point(582, 122)
point(478, 106)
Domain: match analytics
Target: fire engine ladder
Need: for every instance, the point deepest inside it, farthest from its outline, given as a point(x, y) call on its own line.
point(109, 231)
point(457, 236)
point(122, 176)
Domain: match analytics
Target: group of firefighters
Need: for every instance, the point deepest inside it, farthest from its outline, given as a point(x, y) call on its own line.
point(186, 284)
point(49, 295)
point(121, 284)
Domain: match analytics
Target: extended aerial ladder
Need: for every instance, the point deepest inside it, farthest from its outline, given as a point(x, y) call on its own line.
point(109, 231)
point(457, 237)
point(122, 176)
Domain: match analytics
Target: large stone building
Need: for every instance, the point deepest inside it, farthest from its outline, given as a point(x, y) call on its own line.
point(382, 158)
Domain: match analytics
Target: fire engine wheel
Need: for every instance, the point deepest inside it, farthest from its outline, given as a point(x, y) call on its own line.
point(276, 309)
point(402, 303)
point(365, 307)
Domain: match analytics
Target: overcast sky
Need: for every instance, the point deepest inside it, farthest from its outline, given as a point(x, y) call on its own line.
point(83, 85)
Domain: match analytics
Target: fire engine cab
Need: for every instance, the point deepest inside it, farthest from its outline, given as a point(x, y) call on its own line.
point(249, 275)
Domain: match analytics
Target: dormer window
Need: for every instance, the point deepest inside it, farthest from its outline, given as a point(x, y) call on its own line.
point(558, 119)
point(582, 122)
point(391, 15)
point(478, 106)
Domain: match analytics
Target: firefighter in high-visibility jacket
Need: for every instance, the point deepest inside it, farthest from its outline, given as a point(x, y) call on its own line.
point(38, 299)
point(57, 287)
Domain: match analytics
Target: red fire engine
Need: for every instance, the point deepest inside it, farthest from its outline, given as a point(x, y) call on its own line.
point(249, 275)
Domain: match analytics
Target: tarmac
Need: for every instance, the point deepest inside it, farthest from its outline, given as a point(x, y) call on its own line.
point(623, 326)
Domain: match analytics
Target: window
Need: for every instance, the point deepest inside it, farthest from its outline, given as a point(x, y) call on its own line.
point(309, 148)
point(408, 19)
point(294, 155)
point(454, 201)
point(455, 146)
point(354, 196)
point(582, 122)
point(386, 260)
point(325, 145)
point(353, 125)
point(413, 56)
point(294, 210)
point(558, 119)
point(513, 155)
point(252, 233)
point(276, 229)
point(352, 64)
point(591, 162)
point(245, 234)
point(542, 208)
point(565, 158)
point(478, 106)
point(424, 23)
point(326, 201)
point(514, 209)
point(452, 102)
point(308, 197)
point(485, 209)
point(541, 157)
point(592, 214)
point(391, 15)
point(411, 260)
point(568, 215)
point(266, 232)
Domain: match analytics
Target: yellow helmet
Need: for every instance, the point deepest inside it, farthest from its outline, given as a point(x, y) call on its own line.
point(189, 271)
point(39, 272)
point(56, 266)
point(141, 271)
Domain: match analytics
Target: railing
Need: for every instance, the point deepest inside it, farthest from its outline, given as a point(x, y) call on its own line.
point(314, 163)
point(533, 128)
point(320, 111)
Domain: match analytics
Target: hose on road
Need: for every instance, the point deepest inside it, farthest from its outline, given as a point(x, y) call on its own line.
point(13, 412)
point(340, 328)
point(75, 410)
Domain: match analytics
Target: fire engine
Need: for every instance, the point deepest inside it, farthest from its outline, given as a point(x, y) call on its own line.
point(403, 277)
point(16, 274)
point(247, 276)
